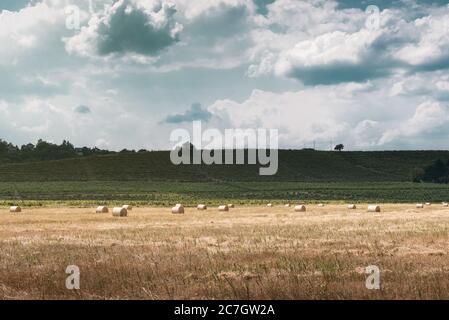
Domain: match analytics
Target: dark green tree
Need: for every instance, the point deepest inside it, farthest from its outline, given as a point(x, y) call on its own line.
point(339, 147)
point(437, 172)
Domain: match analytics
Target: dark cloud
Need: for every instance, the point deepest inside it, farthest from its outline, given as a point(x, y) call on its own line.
point(362, 4)
point(337, 73)
point(196, 112)
point(441, 63)
point(383, 4)
point(262, 6)
point(374, 63)
point(82, 109)
point(134, 30)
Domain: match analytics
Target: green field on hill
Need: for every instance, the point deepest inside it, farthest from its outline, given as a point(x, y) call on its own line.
point(150, 178)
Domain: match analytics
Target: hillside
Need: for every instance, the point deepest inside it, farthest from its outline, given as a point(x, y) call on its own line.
point(303, 166)
point(150, 178)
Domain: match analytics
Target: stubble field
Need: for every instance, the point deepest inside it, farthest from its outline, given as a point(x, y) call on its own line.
point(248, 253)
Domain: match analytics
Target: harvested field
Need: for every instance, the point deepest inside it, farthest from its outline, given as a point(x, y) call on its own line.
point(246, 253)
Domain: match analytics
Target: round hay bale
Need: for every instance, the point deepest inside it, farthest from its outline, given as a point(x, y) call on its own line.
point(270, 205)
point(373, 208)
point(231, 206)
point(102, 209)
point(428, 204)
point(419, 206)
point(127, 207)
point(300, 208)
point(177, 209)
point(202, 207)
point(445, 204)
point(119, 212)
point(223, 208)
point(320, 205)
point(352, 207)
point(15, 209)
point(287, 205)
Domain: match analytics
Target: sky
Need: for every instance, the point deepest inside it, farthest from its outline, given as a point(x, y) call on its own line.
point(321, 72)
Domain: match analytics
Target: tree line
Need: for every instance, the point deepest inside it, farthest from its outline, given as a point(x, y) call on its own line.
point(43, 150)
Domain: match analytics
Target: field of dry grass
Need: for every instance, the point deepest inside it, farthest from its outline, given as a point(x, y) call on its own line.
point(248, 253)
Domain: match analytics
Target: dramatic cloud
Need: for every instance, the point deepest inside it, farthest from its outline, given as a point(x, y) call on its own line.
point(333, 58)
point(378, 45)
point(128, 26)
point(319, 71)
point(430, 49)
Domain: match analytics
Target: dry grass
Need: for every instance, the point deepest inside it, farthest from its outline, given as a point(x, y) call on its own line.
point(248, 253)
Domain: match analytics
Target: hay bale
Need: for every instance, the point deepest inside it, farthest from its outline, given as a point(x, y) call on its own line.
point(178, 209)
point(119, 212)
point(270, 205)
point(127, 207)
point(231, 206)
point(202, 207)
point(15, 209)
point(300, 208)
point(320, 205)
point(287, 205)
point(373, 209)
point(223, 208)
point(428, 204)
point(419, 206)
point(102, 209)
point(352, 206)
point(445, 204)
